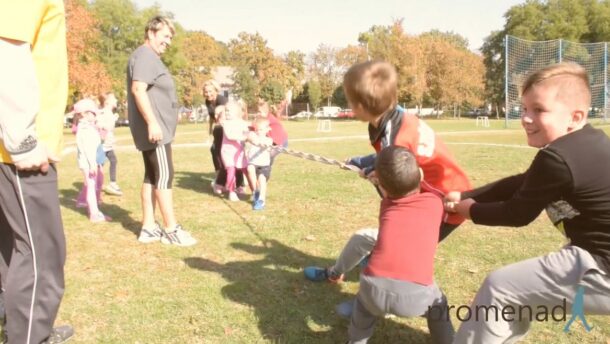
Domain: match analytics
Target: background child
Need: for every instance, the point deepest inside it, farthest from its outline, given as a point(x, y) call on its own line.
point(371, 91)
point(106, 121)
point(88, 141)
point(570, 177)
point(399, 278)
point(235, 131)
point(259, 162)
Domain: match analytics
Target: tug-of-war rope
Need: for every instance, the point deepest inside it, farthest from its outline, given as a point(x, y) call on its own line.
point(312, 157)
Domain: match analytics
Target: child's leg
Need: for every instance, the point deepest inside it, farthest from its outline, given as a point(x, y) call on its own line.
point(362, 323)
point(445, 230)
point(357, 248)
point(540, 283)
point(113, 162)
point(99, 183)
point(251, 174)
point(82, 195)
point(91, 194)
point(262, 186)
point(230, 184)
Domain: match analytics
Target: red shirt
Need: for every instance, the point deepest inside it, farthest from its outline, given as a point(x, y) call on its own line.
point(277, 133)
point(408, 236)
point(441, 172)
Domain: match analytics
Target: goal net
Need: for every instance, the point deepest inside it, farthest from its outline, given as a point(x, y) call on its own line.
point(524, 57)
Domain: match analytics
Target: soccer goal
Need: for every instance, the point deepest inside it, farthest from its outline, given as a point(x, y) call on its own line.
point(524, 57)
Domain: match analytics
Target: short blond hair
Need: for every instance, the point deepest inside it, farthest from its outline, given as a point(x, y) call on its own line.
point(571, 78)
point(213, 84)
point(372, 85)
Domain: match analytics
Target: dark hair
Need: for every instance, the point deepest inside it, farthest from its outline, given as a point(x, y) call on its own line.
point(397, 171)
point(157, 23)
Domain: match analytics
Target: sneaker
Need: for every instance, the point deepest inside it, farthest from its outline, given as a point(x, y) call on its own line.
point(344, 309)
point(259, 204)
point(233, 197)
point(316, 274)
point(150, 235)
point(99, 217)
point(60, 334)
point(255, 196)
point(113, 189)
point(178, 237)
point(216, 188)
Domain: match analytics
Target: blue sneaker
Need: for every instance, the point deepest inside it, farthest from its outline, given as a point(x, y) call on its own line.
point(316, 274)
point(256, 195)
point(259, 204)
point(344, 309)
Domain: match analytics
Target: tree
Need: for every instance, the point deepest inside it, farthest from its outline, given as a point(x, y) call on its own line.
point(450, 37)
point(324, 68)
point(87, 75)
point(339, 97)
point(314, 91)
point(273, 92)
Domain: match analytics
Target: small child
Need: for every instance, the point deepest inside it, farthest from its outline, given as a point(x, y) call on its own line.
point(371, 91)
point(259, 162)
point(106, 122)
point(570, 178)
point(235, 132)
point(88, 141)
point(399, 277)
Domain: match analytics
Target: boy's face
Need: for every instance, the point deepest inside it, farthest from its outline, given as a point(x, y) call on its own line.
point(544, 116)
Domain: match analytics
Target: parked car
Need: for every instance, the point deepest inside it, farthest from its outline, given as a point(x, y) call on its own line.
point(302, 114)
point(477, 112)
point(345, 113)
point(121, 122)
point(327, 111)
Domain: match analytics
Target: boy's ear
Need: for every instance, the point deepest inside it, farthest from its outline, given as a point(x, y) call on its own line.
point(578, 119)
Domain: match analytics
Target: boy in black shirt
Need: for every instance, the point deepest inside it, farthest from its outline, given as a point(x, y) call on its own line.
point(570, 177)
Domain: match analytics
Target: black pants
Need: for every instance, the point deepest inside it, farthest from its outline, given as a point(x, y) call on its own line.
point(221, 173)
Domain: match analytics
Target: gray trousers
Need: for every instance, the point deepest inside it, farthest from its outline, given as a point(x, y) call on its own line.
point(32, 253)
point(359, 246)
point(379, 296)
point(546, 281)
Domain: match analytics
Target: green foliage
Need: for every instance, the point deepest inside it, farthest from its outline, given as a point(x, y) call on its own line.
point(314, 92)
point(246, 86)
point(339, 98)
point(450, 37)
point(273, 92)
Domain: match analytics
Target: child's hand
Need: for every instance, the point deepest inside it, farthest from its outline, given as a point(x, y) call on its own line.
point(371, 177)
point(463, 207)
point(450, 200)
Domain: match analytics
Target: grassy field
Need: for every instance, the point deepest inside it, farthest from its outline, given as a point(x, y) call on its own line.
point(243, 282)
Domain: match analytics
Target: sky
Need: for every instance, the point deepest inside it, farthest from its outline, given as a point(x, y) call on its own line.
point(304, 25)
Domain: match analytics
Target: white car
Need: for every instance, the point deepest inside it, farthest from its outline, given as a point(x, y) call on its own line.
point(302, 114)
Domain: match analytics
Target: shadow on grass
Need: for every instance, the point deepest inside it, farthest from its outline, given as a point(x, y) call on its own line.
point(290, 309)
point(195, 181)
point(67, 199)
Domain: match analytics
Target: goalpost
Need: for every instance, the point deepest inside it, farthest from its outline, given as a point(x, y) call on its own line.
point(523, 56)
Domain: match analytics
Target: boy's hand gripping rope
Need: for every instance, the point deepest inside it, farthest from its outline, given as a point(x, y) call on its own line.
point(312, 157)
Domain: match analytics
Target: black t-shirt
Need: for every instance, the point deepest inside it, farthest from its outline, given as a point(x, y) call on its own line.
point(220, 100)
point(570, 178)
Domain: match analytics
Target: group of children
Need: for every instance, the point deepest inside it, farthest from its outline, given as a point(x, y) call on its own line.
point(94, 129)
point(245, 148)
point(569, 177)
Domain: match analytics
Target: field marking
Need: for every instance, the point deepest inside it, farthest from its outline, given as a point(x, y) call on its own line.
point(71, 146)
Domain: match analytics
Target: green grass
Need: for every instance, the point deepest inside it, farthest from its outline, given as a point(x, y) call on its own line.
point(243, 283)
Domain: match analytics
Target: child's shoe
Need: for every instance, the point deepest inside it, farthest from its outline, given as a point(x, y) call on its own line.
point(344, 309)
point(255, 196)
point(317, 274)
point(259, 204)
point(113, 189)
point(178, 237)
point(233, 197)
point(218, 189)
point(99, 217)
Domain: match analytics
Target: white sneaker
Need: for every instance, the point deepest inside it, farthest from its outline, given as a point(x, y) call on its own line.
point(233, 197)
point(113, 189)
point(178, 237)
point(218, 189)
point(150, 235)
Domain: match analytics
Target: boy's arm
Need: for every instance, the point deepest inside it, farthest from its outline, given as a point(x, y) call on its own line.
point(500, 190)
point(547, 179)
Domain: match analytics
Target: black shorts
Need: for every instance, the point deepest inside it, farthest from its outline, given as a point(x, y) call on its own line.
point(264, 170)
point(159, 167)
